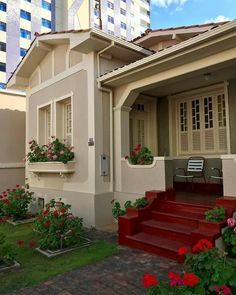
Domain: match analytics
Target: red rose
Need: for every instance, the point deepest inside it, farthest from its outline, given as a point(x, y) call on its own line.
point(138, 147)
point(46, 223)
point(61, 223)
point(62, 210)
point(202, 245)
point(32, 244)
point(17, 185)
point(223, 290)
point(45, 212)
point(175, 279)
point(55, 212)
point(190, 279)
point(149, 280)
point(126, 157)
point(182, 251)
point(20, 242)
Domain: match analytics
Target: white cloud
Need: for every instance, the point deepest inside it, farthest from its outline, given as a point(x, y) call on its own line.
point(219, 18)
point(179, 8)
point(166, 3)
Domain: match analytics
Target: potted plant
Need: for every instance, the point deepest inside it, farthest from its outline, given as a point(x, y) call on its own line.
point(56, 157)
point(229, 237)
point(216, 214)
point(117, 211)
point(60, 231)
point(15, 203)
point(140, 156)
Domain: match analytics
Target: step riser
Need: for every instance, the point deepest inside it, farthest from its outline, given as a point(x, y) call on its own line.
point(174, 219)
point(183, 208)
point(155, 250)
point(175, 236)
point(180, 213)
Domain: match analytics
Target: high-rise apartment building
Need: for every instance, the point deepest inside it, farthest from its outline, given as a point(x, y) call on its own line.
point(20, 19)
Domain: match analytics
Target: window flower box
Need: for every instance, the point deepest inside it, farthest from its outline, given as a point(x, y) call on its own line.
point(52, 167)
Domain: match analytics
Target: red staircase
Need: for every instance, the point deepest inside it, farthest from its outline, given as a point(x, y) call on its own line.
point(166, 225)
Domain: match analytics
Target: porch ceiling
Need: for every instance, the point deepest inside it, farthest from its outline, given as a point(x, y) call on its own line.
point(193, 80)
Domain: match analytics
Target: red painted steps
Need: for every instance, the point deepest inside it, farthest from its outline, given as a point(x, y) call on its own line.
point(158, 245)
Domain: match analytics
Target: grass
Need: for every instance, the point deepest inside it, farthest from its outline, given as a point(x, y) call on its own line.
point(36, 268)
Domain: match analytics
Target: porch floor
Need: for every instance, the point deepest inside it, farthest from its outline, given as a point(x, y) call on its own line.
point(198, 198)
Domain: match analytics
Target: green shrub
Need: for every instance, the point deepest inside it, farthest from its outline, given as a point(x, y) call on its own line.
point(216, 214)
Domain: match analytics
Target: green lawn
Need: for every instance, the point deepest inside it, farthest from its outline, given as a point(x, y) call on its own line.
point(36, 268)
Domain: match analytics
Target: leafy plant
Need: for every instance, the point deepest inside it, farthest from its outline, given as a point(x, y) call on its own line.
point(138, 203)
point(54, 151)
point(211, 266)
point(185, 284)
point(229, 236)
point(140, 156)
point(59, 228)
point(7, 254)
point(216, 214)
point(15, 203)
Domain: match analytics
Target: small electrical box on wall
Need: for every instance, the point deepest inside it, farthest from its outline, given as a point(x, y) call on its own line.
point(104, 165)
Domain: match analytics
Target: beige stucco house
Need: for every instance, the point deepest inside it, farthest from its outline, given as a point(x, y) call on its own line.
point(12, 138)
point(105, 95)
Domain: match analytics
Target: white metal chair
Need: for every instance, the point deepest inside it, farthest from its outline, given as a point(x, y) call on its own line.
point(194, 169)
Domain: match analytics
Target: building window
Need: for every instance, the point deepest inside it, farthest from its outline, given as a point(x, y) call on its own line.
point(2, 67)
point(25, 15)
point(3, 26)
point(202, 125)
point(23, 51)
point(45, 124)
point(110, 32)
point(123, 11)
point(123, 25)
point(110, 19)
point(3, 85)
point(46, 5)
point(46, 23)
point(28, 1)
point(2, 46)
point(25, 34)
point(3, 6)
point(110, 5)
point(64, 120)
point(124, 1)
point(96, 12)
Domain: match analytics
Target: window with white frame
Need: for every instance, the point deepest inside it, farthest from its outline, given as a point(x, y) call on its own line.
point(64, 119)
point(201, 124)
point(44, 124)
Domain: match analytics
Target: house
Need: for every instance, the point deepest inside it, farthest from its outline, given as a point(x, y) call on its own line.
point(105, 95)
point(12, 138)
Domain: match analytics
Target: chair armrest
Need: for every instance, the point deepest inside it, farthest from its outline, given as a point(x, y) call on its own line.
point(218, 170)
point(179, 168)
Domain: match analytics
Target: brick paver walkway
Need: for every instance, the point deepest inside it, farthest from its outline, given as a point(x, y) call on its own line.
point(120, 274)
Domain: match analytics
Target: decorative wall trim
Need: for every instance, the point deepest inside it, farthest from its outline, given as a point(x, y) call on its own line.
point(12, 165)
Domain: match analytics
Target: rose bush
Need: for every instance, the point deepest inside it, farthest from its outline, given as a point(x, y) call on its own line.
point(54, 151)
point(229, 236)
point(7, 255)
point(57, 226)
point(140, 156)
point(15, 202)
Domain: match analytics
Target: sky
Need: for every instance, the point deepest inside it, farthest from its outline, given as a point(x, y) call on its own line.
point(174, 13)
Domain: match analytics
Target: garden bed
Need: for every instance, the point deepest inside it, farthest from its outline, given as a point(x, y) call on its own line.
point(19, 222)
point(9, 267)
point(50, 253)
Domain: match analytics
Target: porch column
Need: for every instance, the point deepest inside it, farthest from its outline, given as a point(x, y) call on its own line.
point(121, 141)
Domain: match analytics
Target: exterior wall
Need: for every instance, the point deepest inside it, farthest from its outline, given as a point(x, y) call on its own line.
point(163, 44)
point(86, 190)
point(107, 65)
point(163, 126)
point(229, 172)
point(60, 61)
point(12, 138)
point(232, 112)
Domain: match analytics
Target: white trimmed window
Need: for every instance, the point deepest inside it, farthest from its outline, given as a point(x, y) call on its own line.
point(44, 124)
point(64, 119)
point(201, 124)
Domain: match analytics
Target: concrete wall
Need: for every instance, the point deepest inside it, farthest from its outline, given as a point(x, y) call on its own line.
point(12, 138)
point(232, 116)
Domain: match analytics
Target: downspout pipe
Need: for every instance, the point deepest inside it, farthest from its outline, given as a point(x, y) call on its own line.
point(110, 92)
point(100, 52)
